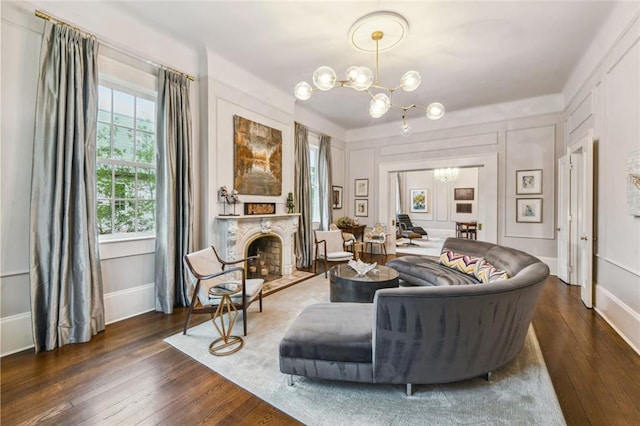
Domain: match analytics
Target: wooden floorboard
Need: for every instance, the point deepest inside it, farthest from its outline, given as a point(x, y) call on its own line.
point(128, 375)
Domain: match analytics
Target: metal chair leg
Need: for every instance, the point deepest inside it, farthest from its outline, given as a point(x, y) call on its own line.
point(409, 389)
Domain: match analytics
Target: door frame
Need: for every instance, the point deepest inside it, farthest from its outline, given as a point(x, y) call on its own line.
point(581, 154)
point(487, 164)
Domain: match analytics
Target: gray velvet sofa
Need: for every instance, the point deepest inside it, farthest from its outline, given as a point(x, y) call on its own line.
point(432, 331)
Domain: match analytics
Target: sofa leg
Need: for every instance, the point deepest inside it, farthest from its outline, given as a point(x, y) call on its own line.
point(488, 376)
point(409, 389)
point(290, 379)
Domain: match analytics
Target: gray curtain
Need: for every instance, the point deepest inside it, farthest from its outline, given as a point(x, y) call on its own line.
point(400, 177)
point(325, 182)
point(302, 196)
point(174, 191)
point(66, 282)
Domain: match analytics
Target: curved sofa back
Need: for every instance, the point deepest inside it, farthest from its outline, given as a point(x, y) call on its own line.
point(438, 334)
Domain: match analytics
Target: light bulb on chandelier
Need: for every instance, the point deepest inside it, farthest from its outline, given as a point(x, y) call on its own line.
point(446, 175)
point(362, 33)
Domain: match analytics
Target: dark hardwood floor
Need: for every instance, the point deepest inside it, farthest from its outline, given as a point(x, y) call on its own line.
point(128, 375)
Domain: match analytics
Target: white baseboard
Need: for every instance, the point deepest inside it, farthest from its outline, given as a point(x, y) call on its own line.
point(552, 263)
point(16, 334)
point(620, 317)
point(120, 305)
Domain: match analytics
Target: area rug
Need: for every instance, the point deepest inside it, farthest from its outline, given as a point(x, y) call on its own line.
point(519, 393)
point(430, 247)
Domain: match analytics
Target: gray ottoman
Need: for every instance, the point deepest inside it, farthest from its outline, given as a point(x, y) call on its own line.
point(332, 341)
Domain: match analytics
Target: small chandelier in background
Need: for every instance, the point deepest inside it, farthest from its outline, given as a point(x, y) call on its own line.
point(386, 30)
point(446, 175)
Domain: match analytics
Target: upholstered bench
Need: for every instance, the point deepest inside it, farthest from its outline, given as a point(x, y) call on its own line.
point(332, 338)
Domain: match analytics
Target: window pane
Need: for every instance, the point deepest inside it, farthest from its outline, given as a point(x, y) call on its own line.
point(146, 184)
point(125, 166)
point(123, 108)
point(145, 147)
point(104, 180)
point(104, 104)
point(145, 114)
point(125, 216)
point(105, 226)
point(122, 143)
point(125, 182)
point(146, 216)
point(103, 141)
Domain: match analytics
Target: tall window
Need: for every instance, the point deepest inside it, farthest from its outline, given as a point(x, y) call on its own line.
point(315, 186)
point(126, 161)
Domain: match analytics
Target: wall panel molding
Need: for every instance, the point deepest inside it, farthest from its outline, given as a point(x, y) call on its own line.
point(123, 304)
point(482, 139)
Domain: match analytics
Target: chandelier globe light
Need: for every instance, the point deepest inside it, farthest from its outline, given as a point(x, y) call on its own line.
point(373, 33)
point(446, 175)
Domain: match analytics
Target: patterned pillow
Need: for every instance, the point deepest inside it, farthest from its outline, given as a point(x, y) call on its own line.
point(486, 273)
point(460, 262)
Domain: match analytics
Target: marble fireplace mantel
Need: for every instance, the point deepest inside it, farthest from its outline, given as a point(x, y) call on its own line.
point(235, 233)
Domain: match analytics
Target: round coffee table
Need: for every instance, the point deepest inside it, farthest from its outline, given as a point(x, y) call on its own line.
point(346, 286)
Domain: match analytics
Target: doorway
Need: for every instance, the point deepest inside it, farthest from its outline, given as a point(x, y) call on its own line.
point(487, 194)
point(575, 217)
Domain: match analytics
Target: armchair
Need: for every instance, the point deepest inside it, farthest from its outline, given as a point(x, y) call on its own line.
point(377, 236)
point(207, 271)
point(329, 248)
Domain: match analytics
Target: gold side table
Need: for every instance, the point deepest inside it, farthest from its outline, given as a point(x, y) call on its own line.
point(226, 344)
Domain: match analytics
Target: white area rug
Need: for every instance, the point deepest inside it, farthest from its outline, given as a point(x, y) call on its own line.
point(430, 247)
point(519, 393)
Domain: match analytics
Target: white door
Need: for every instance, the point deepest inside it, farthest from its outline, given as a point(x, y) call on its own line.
point(582, 174)
point(564, 218)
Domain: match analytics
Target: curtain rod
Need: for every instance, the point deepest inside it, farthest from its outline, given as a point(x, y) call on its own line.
point(48, 17)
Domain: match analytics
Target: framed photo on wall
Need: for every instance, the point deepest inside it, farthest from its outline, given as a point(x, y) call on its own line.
point(529, 210)
point(362, 188)
point(529, 181)
point(463, 194)
point(463, 208)
point(337, 197)
point(419, 200)
point(362, 208)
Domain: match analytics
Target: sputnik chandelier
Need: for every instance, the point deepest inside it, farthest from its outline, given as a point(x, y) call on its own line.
point(446, 175)
point(376, 32)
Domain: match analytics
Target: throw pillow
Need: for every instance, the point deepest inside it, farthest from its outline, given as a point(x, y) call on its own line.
point(460, 262)
point(486, 273)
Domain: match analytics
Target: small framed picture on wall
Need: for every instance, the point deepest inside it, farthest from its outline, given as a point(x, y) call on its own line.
point(529, 210)
point(529, 181)
point(337, 197)
point(362, 208)
point(362, 188)
point(419, 200)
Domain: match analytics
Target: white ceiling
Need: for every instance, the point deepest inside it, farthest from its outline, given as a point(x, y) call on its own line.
point(469, 53)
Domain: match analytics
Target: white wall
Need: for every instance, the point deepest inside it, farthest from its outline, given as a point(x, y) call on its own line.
point(604, 94)
point(441, 206)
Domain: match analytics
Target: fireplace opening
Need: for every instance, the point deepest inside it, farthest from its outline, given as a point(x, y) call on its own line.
point(269, 264)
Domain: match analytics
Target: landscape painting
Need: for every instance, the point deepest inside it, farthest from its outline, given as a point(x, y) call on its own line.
point(257, 158)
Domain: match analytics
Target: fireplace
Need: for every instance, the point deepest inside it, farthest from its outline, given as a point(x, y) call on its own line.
point(236, 234)
point(268, 249)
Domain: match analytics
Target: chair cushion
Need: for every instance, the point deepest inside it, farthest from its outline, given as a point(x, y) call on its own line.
point(339, 255)
point(339, 332)
point(254, 285)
